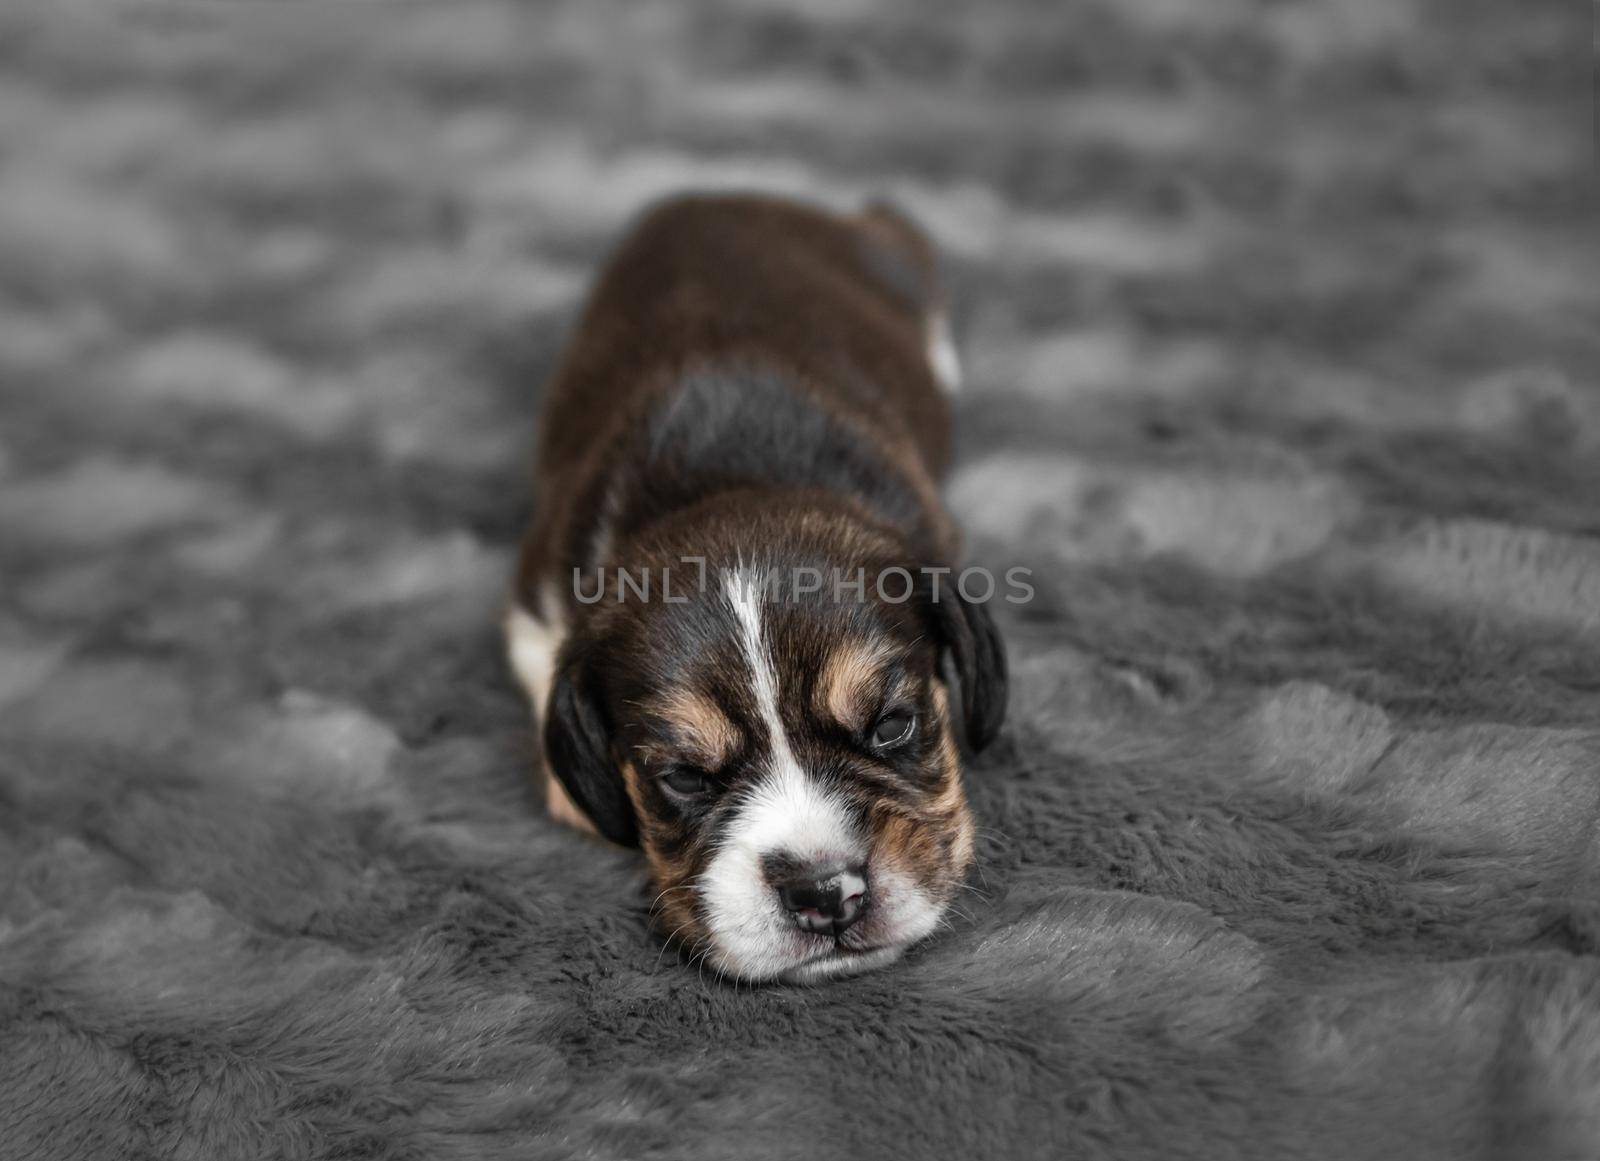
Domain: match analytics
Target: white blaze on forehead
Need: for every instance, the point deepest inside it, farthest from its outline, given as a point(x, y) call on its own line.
point(744, 591)
point(784, 812)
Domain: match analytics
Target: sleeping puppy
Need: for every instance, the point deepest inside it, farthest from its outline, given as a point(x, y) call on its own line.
point(734, 608)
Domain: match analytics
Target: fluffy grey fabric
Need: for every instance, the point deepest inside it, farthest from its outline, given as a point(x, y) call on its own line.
point(1282, 358)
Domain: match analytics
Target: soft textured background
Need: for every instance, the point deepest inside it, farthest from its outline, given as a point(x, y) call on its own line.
point(1282, 329)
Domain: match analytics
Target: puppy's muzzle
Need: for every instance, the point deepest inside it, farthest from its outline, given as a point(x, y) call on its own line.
point(824, 901)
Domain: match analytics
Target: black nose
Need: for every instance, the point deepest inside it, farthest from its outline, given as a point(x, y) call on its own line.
point(825, 903)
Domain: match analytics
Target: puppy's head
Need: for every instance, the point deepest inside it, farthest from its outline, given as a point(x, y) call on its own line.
point(787, 760)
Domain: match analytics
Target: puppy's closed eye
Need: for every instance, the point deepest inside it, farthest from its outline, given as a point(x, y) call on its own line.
point(687, 782)
point(894, 728)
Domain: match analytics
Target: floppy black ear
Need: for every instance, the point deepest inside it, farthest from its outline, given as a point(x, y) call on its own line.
point(577, 743)
point(968, 631)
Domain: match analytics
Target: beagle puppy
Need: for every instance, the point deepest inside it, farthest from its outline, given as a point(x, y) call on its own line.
point(734, 611)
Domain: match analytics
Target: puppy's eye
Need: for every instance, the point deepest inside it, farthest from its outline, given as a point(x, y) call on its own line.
point(686, 781)
point(893, 728)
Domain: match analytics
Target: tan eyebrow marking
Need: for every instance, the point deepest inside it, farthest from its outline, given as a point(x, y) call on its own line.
point(848, 688)
point(698, 724)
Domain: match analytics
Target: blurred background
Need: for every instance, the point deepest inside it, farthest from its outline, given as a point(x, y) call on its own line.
point(279, 283)
point(1282, 346)
point(367, 226)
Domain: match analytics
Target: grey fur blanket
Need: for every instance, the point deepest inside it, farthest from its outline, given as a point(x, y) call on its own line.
point(1280, 321)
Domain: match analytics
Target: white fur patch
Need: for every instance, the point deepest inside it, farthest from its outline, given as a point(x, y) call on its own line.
point(942, 356)
point(903, 907)
point(532, 645)
point(789, 814)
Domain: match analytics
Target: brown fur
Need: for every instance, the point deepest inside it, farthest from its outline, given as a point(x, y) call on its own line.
point(738, 280)
point(672, 909)
point(750, 382)
point(933, 843)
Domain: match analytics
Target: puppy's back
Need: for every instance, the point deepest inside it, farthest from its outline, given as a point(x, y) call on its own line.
point(844, 303)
